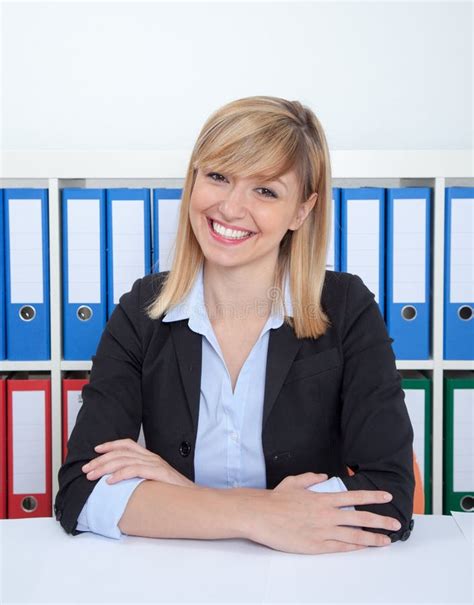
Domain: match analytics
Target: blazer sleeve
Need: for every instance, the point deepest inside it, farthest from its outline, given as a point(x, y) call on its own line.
point(112, 403)
point(376, 430)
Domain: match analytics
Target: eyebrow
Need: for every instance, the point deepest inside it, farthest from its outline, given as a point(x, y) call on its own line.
point(276, 180)
point(280, 181)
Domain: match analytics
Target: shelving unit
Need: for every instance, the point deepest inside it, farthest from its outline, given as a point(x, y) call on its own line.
point(57, 170)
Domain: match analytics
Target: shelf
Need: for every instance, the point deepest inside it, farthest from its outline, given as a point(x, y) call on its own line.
point(420, 364)
point(23, 366)
point(76, 365)
point(458, 365)
point(57, 169)
point(81, 365)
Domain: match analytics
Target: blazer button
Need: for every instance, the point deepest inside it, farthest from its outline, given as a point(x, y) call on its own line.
point(405, 535)
point(185, 449)
point(394, 537)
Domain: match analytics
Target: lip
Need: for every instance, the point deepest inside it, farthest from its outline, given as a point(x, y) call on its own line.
point(223, 240)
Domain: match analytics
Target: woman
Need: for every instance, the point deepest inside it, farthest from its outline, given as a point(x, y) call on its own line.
point(252, 368)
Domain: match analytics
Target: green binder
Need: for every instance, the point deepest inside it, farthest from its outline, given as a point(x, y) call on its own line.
point(458, 448)
point(417, 388)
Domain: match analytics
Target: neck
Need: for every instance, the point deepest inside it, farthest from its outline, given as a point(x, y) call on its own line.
point(241, 294)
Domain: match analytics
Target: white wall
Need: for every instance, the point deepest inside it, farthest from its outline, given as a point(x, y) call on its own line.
point(127, 76)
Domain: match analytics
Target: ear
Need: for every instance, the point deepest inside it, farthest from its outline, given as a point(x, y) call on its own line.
point(302, 212)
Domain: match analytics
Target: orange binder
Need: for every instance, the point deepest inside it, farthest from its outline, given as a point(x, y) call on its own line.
point(29, 445)
point(3, 446)
point(71, 404)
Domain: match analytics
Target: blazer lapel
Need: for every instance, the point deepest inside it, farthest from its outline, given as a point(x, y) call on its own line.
point(282, 349)
point(188, 346)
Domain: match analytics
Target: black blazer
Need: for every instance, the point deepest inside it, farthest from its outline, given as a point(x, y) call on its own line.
point(330, 403)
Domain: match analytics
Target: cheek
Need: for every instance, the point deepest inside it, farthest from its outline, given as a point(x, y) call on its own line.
point(273, 222)
point(202, 200)
point(197, 206)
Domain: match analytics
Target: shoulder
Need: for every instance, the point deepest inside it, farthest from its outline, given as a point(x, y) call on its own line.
point(143, 292)
point(144, 289)
point(150, 286)
point(345, 296)
point(339, 283)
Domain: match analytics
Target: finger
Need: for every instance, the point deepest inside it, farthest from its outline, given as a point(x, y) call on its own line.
point(354, 497)
point(135, 470)
point(114, 465)
point(358, 536)
point(337, 546)
point(96, 463)
point(127, 444)
point(366, 519)
point(307, 479)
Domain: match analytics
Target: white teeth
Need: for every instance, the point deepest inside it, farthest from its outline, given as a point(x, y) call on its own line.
point(229, 233)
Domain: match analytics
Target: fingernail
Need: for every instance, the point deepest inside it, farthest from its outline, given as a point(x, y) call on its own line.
point(98, 446)
point(387, 496)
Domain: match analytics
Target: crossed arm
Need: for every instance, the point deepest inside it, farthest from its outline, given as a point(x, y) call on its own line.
point(287, 518)
point(160, 507)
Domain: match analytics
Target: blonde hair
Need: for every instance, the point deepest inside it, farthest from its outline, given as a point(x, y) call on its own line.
point(264, 136)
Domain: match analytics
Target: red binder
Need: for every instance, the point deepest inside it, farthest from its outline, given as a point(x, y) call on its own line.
point(71, 404)
point(3, 446)
point(29, 445)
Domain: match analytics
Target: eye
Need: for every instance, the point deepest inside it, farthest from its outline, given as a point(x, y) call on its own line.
point(219, 178)
point(211, 175)
point(269, 192)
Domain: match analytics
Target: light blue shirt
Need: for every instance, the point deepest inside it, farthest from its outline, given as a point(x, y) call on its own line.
point(228, 451)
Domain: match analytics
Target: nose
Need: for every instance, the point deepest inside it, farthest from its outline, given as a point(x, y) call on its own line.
point(233, 203)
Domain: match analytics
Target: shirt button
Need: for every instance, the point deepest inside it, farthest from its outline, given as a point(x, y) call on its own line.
point(235, 436)
point(236, 484)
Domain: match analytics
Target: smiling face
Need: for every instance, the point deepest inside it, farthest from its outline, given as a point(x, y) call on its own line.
point(241, 221)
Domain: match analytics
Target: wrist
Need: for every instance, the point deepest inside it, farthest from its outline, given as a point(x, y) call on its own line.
point(244, 507)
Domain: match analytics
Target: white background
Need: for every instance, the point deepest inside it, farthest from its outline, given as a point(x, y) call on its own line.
point(146, 75)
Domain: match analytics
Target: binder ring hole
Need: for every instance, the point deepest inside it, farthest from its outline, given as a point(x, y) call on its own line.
point(29, 504)
point(467, 503)
point(408, 312)
point(27, 313)
point(84, 313)
point(465, 312)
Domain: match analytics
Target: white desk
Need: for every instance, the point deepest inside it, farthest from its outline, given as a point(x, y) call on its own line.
point(43, 564)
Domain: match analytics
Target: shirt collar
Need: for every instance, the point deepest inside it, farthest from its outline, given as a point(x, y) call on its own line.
point(192, 307)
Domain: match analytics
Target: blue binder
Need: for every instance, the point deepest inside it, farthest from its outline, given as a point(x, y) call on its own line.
point(363, 238)
point(459, 274)
point(166, 205)
point(408, 315)
point(27, 274)
point(333, 258)
point(3, 332)
point(84, 271)
point(128, 240)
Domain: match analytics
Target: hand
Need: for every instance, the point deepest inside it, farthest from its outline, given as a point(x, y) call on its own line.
point(292, 519)
point(304, 480)
point(125, 458)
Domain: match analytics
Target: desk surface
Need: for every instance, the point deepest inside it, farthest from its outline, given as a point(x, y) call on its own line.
point(39, 562)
